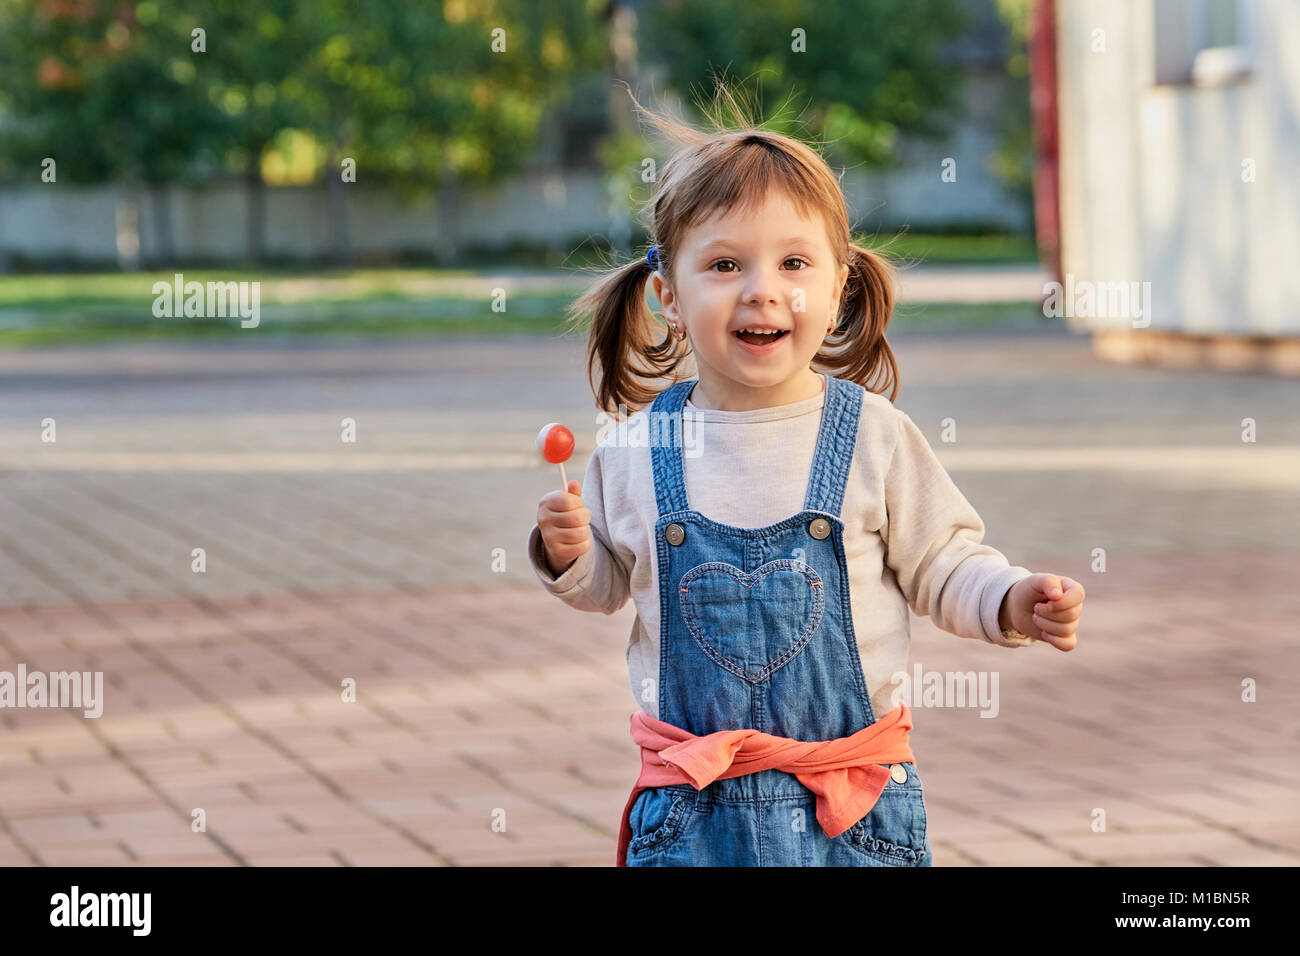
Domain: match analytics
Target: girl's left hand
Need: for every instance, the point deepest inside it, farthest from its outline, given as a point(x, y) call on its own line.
point(1048, 607)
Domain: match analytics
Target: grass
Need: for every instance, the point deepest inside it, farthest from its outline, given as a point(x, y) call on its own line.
point(125, 291)
point(73, 309)
point(90, 330)
point(937, 316)
point(959, 250)
point(53, 309)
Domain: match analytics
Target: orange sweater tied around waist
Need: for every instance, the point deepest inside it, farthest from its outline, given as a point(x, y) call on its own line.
point(845, 773)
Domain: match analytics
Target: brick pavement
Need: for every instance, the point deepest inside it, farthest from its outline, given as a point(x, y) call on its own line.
point(223, 689)
point(232, 705)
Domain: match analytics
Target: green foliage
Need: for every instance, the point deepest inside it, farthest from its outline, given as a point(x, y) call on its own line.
point(870, 71)
point(414, 92)
point(106, 89)
point(1013, 161)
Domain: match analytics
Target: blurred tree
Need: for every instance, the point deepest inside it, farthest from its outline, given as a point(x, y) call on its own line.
point(418, 95)
point(424, 97)
point(1014, 160)
point(869, 71)
point(110, 92)
point(256, 56)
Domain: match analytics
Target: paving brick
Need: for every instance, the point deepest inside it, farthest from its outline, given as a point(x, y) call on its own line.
point(47, 830)
point(11, 854)
point(213, 857)
point(83, 855)
point(307, 858)
point(1022, 852)
point(361, 855)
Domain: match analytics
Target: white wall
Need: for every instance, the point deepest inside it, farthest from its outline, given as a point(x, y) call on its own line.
point(60, 221)
point(1151, 175)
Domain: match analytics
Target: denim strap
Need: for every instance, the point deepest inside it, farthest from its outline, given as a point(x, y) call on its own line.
point(666, 447)
point(836, 441)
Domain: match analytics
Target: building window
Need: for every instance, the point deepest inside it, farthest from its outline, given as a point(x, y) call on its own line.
point(1203, 42)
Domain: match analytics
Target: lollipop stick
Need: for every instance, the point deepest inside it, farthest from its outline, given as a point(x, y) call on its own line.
point(564, 480)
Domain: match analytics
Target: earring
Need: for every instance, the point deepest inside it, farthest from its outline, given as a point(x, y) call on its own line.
point(677, 331)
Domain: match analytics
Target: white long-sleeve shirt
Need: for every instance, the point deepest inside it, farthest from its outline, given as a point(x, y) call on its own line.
point(910, 537)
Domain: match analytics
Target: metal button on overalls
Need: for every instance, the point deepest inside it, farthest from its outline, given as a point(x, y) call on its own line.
point(757, 633)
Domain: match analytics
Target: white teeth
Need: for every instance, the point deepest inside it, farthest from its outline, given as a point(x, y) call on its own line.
point(763, 331)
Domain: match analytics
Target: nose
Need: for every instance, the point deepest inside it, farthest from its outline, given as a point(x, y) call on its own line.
point(761, 289)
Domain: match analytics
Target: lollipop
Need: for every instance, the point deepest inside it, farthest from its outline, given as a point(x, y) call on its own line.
point(555, 444)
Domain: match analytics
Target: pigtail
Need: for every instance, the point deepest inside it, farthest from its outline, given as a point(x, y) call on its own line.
point(623, 346)
point(857, 349)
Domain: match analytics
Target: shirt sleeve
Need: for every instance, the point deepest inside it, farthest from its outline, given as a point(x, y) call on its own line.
point(597, 580)
point(933, 540)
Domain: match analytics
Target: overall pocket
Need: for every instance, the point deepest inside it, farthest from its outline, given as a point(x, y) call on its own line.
point(658, 818)
point(893, 833)
point(752, 624)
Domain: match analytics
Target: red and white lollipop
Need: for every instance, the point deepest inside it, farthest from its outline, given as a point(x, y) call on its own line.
point(555, 444)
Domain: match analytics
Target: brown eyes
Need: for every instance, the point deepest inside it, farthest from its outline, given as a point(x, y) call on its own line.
point(802, 262)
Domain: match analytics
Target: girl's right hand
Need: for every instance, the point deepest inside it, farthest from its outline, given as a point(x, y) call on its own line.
point(565, 524)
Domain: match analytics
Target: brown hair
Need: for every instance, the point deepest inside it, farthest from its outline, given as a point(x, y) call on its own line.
point(731, 169)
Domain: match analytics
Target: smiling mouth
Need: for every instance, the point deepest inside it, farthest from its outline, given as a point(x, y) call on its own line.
point(760, 338)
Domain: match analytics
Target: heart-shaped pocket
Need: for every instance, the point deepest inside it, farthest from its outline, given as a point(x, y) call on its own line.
point(752, 623)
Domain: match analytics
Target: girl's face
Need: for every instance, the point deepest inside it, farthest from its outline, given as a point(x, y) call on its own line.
point(771, 269)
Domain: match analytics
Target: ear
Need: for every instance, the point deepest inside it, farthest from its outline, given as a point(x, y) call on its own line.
point(839, 288)
point(664, 293)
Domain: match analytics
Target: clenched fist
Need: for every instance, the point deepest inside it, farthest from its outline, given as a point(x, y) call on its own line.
point(565, 525)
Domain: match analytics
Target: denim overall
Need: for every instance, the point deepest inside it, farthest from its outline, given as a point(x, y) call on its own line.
point(757, 633)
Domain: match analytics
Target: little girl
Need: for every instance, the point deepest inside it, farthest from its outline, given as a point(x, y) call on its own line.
point(772, 524)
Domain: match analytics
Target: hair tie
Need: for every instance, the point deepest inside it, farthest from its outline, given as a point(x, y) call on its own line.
point(652, 257)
